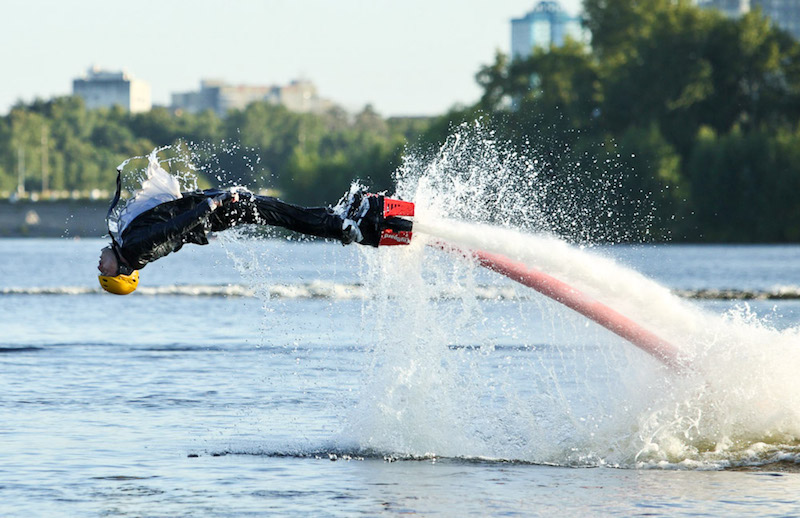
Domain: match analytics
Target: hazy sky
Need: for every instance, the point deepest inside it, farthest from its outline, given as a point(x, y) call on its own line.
point(410, 57)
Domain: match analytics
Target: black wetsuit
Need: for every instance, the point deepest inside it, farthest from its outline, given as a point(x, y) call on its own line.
point(167, 227)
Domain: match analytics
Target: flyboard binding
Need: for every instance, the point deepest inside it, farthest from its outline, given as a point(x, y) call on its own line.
point(392, 226)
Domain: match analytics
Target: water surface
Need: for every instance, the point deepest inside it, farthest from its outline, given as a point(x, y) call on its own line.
point(198, 404)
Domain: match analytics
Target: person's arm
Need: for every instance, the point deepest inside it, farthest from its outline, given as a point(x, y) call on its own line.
point(155, 241)
point(176, 227)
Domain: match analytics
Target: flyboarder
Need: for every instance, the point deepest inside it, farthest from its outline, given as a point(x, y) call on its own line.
point(160, 220)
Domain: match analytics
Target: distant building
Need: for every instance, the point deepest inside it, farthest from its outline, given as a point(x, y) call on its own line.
point(220, 97)
point(301, 96)
point(547, 24)
point(729, 7)
point(103, 89)
point(783, 13)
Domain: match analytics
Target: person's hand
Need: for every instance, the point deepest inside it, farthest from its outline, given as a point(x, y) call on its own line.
point(351, 232)
point(218, 200)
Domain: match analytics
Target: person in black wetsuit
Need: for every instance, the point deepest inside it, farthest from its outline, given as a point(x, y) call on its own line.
point(167, 226)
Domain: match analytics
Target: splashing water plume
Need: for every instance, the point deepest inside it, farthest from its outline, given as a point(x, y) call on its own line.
point(591, 398)
point(454, 373)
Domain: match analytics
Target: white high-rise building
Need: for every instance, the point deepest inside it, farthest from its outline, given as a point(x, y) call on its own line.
point(547, 24)
point(729, 7)
point(103, 89)
point(783, 13)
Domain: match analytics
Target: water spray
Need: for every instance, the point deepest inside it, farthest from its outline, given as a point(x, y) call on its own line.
point(394, 215)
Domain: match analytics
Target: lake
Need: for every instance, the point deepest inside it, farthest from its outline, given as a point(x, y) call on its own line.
point(268, 376)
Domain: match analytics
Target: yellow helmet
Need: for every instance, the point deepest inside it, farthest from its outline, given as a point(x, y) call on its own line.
point(120, 284)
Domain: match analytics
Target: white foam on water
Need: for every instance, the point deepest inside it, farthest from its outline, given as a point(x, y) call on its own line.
point(738, 404)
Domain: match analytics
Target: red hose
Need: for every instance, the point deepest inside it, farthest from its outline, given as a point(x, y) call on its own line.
point(567, 295)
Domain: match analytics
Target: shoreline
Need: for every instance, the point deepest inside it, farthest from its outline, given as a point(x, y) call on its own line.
point(57, 218)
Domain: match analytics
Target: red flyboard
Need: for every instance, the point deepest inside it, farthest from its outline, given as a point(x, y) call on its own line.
point(586, 306)
point(394, 229)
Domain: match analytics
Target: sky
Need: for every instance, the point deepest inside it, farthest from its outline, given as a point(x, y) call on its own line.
point(409, 57)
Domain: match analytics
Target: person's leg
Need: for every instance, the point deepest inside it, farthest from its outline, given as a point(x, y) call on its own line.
point(266, 210)
point(314, 221)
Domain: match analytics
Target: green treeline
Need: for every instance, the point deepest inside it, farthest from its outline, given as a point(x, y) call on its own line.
point(698, 111)
point(310, 158)
point(701, 111)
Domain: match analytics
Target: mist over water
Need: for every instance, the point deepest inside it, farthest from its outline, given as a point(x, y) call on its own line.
point(589, 398)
